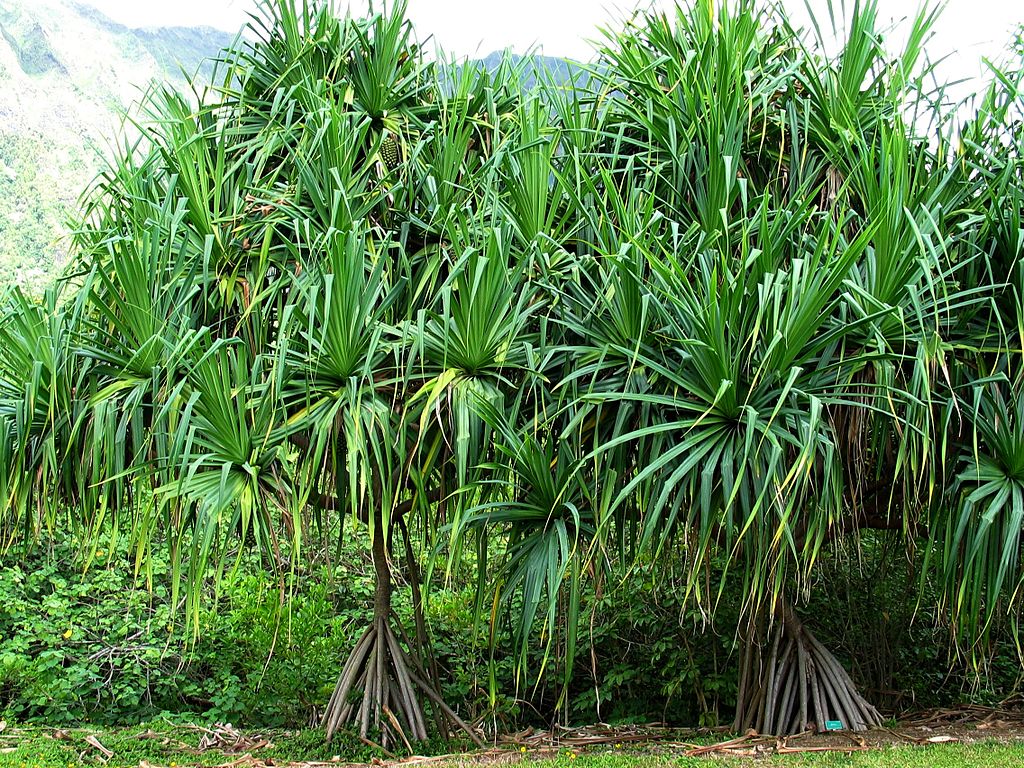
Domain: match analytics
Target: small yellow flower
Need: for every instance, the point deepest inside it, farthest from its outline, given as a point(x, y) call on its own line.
point(618, 745)
point(572, 755)
point(522, 749)
point(67, 634)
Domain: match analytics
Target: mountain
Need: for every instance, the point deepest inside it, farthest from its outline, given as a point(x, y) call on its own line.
point(66, 73)
point(556, 71)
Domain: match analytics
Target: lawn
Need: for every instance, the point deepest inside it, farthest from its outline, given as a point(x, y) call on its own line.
point(167, 745)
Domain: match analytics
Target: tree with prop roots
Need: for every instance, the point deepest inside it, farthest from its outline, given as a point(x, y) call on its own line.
point(789, 317)
point(280, 310)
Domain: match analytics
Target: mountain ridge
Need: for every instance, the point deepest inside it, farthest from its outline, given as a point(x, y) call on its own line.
point(67, 73)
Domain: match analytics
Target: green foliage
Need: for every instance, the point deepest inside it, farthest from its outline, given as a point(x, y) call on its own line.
point(33, 213)
point(657, 658)
point(68, 652)
point(265, 659)
point(903, 651)
point(714, 312)
point(99, 646)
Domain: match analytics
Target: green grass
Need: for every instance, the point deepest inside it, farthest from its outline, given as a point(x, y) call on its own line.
point(37, 748)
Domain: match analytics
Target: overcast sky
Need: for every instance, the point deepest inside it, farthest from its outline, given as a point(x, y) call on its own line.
point(968, 29)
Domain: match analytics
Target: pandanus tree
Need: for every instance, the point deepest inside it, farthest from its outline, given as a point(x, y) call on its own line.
point(725, 295)
point(264, 333)
point(769, 324)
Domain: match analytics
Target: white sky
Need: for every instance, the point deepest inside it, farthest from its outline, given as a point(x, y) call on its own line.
point(967, 30)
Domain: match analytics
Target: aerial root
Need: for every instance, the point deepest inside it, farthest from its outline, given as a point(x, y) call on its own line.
point(799, 685)
point(379, 689)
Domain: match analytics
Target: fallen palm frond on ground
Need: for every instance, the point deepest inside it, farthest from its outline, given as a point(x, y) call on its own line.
point(1006, 714)
point(599, 735)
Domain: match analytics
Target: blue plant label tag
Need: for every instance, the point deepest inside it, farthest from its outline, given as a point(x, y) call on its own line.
point(833, 725)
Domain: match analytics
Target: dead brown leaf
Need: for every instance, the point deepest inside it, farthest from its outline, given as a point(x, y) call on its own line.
point(93, 742)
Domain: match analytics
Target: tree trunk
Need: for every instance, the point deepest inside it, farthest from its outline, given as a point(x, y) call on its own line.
point(382, 686)
point(789, 681)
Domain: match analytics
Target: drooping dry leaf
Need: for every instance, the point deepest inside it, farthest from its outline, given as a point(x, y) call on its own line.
point(93, 742)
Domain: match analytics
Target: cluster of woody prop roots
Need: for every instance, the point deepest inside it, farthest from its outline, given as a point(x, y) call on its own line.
point(382, 687)
point(789, 683)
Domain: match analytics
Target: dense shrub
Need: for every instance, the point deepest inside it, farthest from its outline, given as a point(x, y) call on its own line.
point(97, 645)
point(75, 645)
point(901, 649)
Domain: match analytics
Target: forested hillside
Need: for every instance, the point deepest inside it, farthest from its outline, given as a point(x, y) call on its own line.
point(66, 74)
